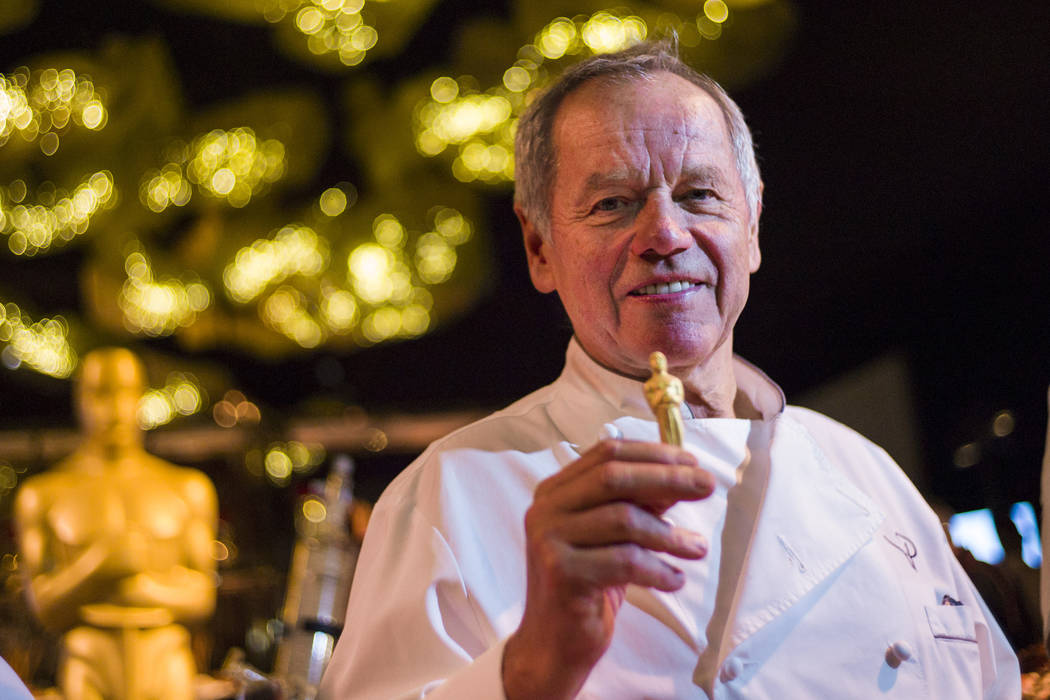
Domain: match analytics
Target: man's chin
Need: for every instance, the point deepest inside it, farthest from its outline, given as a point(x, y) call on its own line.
point(630, 355)
point(635, 363)
point(680, 352)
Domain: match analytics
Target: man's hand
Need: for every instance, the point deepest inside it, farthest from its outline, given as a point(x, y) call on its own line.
point(593, 529)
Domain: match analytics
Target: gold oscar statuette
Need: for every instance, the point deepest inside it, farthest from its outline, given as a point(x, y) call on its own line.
point(118, 546)
point(665, 394)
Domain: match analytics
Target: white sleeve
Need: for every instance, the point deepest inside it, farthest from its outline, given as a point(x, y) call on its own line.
point(11, 686)
point(411, 630)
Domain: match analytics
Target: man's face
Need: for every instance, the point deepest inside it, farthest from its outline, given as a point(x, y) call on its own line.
point(651, 245)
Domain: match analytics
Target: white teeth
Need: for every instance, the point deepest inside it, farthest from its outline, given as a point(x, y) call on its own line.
point(664, 288)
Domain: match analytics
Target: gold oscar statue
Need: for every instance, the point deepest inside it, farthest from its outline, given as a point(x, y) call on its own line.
point(665, 394)
point(117, 548)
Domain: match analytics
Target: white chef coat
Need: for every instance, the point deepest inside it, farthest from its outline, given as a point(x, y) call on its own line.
point(843, 586)
point(11, 686)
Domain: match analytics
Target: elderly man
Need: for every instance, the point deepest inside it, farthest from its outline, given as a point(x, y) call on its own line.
point(778, 554)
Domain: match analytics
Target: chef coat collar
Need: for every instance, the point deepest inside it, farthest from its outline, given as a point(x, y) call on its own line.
point(624, 395)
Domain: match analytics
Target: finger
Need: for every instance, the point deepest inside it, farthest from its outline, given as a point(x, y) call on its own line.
point(622, 564)
point(625, 523)
point(623, 450)
point(653, 486)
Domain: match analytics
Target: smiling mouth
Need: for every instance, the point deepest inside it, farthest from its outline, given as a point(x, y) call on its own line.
point(663, 288)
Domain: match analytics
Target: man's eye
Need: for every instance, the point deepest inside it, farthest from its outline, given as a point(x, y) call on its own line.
point(699, 194)
point(609, 204)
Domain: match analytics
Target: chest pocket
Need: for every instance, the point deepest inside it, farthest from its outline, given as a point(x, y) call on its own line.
point(951, 623)
point(956, 671)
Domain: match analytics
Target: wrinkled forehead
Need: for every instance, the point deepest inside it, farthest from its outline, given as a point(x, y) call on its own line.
point(638, 108)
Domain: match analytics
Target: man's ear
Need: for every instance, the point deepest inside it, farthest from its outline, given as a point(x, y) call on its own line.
point(753, 249)
point(537, 251)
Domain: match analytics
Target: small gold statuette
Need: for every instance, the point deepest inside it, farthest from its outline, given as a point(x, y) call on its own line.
point(665, 394)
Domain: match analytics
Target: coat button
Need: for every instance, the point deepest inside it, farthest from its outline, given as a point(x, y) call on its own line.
point(731, 668)
point(902, 650)
point(898, 653)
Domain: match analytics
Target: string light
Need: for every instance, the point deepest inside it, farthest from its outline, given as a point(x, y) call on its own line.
point(181, 395)
point(165, 187)
point(384, 295)
point(158, 307)
point(479, 126)
point(294, 250)
point(38, 105)
point(388, 278)
point(229, 165)
point(330, 27)
point(42, 346)
point(60, 217)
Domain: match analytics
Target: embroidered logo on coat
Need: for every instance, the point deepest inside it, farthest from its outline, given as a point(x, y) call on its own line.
point(905, 545)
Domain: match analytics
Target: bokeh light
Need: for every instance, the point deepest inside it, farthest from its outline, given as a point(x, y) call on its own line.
point(383, 294)
point(371, 272)
point(339, 310)
point(387, 278)
point(232, 166)
point(1003, 423)
point(285, 311)
point(967, 455)
point(235, 409)
point(477, 128)
point(59, 216)
point(41, 104)
point(165, 187)
point(294, 250)
point(333, 201)
point(283, 460)
point(329, 27)
point(42, 345)
point(314, 509)
point(278, 465)
point(716, 11)
point(181, 395)
point(158, 307)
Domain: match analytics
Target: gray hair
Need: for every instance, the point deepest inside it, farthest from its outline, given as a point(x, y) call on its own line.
point(535, 161)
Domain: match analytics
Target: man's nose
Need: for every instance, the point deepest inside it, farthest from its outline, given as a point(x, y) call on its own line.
point(660, 230)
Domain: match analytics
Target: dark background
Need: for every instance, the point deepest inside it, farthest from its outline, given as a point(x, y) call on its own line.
point(902, 147)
